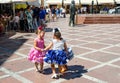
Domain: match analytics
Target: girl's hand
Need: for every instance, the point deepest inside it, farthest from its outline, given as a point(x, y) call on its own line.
point(42, 50)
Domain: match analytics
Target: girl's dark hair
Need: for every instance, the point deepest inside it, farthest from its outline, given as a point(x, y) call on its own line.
point(56, 30)
point(57, 34)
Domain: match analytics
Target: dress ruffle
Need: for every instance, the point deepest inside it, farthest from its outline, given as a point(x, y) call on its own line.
point(36, 56)
point(58, 56)
point(70, 54)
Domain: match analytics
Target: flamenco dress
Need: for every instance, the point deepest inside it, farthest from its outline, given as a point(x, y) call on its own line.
point(36, 55)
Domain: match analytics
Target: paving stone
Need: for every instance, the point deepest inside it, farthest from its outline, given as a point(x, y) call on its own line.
point(2, 51)
point(81, 63)
point(9, 80)
point(117, 38)
point(30, 42)
point(24, 46)
point(95, 45)
point(24, 51)
point(114, 49)
point(18, 65)
point(117, 63)
point(2, 73)
point(14, 56)
point(110, 41)
point(101, 56)
point(79, 50)
point(91, 39)
point(72, 36)
point(37, 77)
point(116, 33)
point(106, 73)
point(75, 42)
point(9, 56)
point(105, 36)
point(76, 80)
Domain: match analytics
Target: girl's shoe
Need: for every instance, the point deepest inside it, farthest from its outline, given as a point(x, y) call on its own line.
point(41, 71)
point(37, 70)
point(60, 74)
point(54, 76)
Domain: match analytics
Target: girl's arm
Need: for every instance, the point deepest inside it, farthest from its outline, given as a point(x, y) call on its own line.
point(49, 46)
point(35, 46)
point(65, 46)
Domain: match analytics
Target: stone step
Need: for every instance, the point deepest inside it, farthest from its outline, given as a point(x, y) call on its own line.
point(100, 22)
point(98, 19)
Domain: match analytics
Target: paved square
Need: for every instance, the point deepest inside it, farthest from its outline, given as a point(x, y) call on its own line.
point(96, 60)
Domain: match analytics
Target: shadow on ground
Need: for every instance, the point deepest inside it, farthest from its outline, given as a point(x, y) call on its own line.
point(9, 45)
point(74, 71)
point(48, 29)
point(80, 25)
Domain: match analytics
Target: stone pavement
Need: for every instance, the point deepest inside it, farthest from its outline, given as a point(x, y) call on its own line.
point(96, 48)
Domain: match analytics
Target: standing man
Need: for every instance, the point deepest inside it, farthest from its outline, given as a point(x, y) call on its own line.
point(72, 14)
point(42, 15)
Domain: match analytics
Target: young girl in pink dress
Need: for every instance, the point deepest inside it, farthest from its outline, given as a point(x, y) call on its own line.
point(36, 54)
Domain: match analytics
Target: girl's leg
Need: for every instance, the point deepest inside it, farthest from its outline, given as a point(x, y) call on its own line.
point(53, 68)
point(62, 68)
point(36, 66)
point(66, 67)
point(54, 76)
point(59, 68)
point(41, 66)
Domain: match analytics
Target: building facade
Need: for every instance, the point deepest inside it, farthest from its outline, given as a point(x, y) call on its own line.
point(84, 4)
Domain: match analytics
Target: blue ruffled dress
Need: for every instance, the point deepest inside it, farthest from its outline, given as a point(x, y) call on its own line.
point(58, 55)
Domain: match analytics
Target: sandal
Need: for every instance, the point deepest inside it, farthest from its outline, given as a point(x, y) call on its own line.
point(41, 71)
point(54, 76)
point(60, 74)
point(37, 70)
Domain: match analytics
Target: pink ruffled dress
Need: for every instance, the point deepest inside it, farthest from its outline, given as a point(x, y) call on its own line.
point(35, 55)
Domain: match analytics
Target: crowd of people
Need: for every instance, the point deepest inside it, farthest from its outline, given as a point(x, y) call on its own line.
point(29, 19)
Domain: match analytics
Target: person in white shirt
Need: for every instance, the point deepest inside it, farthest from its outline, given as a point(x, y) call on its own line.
point(64, 12)
point(48, 11)
point(16, 22)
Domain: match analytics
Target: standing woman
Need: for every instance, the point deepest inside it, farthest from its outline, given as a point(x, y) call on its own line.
point(29, 14)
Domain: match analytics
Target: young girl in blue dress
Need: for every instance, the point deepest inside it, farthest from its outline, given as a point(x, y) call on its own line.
point(58, 54)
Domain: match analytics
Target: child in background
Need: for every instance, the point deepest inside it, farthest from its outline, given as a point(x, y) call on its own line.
point(36, 54)
point(58, 54)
